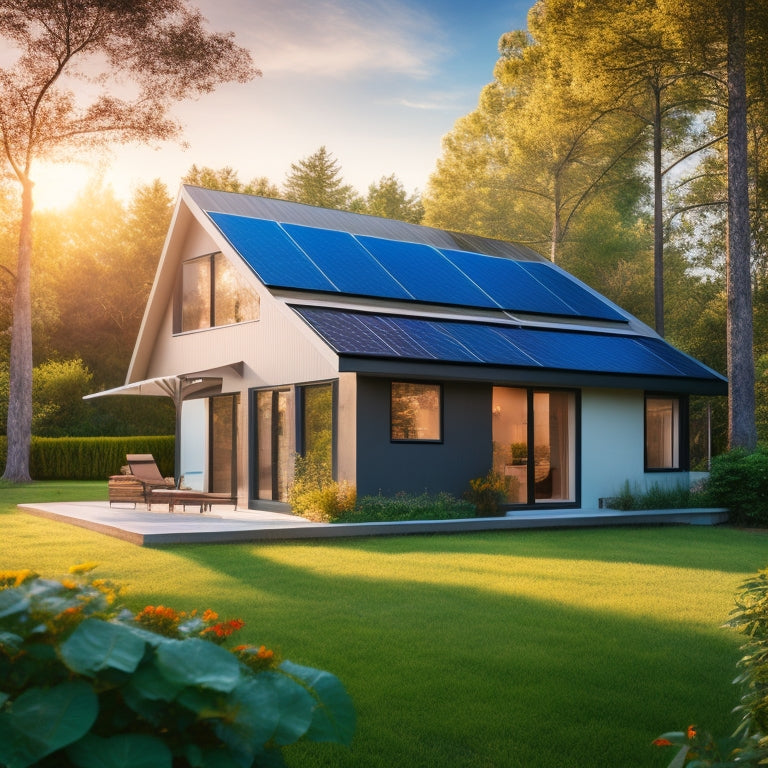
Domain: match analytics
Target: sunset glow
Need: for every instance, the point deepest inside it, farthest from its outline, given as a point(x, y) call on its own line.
point(57, 185)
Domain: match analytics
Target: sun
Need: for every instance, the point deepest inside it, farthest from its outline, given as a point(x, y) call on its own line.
point(57, 185)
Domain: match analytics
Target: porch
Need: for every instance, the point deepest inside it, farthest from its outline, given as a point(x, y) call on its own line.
point(159, 527)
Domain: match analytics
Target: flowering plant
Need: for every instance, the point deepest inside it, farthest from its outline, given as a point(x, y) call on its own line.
point(84, 683)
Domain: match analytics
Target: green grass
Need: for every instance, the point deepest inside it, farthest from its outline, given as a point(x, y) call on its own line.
point(554, 649)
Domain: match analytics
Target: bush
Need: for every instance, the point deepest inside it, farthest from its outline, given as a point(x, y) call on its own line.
point(738, 480)
point(657, 497)
point(748, 746)
point(487, 494)
point(83, 683)
point(314, 493)
point(406, 506)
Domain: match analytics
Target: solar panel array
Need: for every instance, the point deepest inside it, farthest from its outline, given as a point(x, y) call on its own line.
point(294, 256)
point(451, 341)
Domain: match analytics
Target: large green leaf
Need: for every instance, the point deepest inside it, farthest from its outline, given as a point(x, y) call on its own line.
point(97, 645)
point(12, 601)
point(43, 720)
point(251, 719)
point(148, 683)
point(128, 750)
point(198, 662)
point(334, 714)
point(295, 707)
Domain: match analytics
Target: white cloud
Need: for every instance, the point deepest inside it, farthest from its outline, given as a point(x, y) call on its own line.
point(336, 38)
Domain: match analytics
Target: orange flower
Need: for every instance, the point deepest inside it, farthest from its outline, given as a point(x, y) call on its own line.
point(210, 615)
point(265, 653)
point(691, 732)
point(661, 743)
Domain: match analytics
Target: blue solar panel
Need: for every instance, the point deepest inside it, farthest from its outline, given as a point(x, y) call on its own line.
point(270, 252)
point(346, 263)
point(574, 294)
point(425, 273)
point(358, 333)
point(508, 283)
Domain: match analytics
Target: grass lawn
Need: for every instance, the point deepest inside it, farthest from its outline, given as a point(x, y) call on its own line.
point(554, 649)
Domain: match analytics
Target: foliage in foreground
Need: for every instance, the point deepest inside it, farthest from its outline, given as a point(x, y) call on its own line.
point(748, 746)
point(83, 683)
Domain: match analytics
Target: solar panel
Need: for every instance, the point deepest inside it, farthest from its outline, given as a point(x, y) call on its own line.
point(574, 294)
point(425, 273)
point(271, 254)
point(346, 263)
point(450, 341)
point(508, 283)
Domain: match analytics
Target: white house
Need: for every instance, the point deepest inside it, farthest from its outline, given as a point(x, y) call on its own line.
point(411, 358)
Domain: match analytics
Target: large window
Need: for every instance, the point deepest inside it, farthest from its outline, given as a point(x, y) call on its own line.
point(534, 444)
point(273, 443)
point(665, 432)
point(416, 412)
point(211, 294)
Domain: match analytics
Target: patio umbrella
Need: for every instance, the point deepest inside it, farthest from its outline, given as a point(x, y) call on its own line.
point(179, 387)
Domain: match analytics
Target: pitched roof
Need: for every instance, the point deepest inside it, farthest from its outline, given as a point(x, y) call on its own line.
point(518, 310)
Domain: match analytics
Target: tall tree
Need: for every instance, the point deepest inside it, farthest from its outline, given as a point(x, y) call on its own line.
point(388, 198)
point(317, 180)
point(168, 55)
point(226, 179)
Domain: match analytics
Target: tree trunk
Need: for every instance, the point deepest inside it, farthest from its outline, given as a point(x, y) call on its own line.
point(20, 397)
point(742, 429)
point(658, 217)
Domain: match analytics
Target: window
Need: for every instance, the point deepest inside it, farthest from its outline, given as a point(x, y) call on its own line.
point(212, 294)
point(416, 412)
point(665, 432)
point(273, 443)
point(534, 444)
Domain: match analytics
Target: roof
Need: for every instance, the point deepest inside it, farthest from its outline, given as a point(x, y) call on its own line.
point(517, 310)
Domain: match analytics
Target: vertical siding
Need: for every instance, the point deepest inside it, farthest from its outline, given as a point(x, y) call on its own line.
point(386, 467)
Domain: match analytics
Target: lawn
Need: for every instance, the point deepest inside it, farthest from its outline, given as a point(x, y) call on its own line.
point(554, 649)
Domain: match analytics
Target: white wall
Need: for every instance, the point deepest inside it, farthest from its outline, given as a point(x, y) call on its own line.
point(612, 441)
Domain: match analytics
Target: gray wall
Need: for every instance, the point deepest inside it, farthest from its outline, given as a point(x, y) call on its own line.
point(387, 467)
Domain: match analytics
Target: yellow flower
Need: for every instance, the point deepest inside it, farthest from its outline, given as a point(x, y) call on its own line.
point(15, 578)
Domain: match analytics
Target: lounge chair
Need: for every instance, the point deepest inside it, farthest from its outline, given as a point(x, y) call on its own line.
point(144, 469)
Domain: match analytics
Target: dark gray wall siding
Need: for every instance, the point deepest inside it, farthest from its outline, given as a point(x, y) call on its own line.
point(387, 467)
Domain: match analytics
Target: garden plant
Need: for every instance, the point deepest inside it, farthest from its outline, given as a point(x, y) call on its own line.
point(84, 683)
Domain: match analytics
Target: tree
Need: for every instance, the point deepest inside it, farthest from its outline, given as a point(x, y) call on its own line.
point(389, 199)
point(226, 179)
point(316, 180)
point(166, 54)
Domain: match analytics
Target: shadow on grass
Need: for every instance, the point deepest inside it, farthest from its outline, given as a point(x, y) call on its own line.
point(460, 676)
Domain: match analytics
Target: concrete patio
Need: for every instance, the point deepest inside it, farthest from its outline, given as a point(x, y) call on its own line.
point(159, 527)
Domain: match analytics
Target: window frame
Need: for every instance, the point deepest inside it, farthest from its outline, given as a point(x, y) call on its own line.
point(178, 309)
point(680, 447)
point(440, 407)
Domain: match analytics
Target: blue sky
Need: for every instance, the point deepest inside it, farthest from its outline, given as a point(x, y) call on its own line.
point(377, 83)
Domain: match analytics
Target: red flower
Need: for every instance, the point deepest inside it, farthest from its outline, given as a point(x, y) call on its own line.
point(661, 743)
point(691, 732)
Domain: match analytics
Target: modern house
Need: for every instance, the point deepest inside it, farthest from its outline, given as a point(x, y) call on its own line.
point(407, 357)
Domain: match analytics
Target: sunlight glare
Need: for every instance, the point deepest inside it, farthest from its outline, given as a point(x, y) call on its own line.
point(57, 185)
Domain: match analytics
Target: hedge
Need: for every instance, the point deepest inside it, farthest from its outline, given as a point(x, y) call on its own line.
point(91, 458)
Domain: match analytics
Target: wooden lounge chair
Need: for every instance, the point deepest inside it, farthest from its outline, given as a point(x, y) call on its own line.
point(144, 469)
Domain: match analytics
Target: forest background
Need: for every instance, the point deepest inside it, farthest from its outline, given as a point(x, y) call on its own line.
point(599, 142)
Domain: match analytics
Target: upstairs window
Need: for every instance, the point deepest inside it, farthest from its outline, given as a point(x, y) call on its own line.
point(665, 432)
point(212, 293)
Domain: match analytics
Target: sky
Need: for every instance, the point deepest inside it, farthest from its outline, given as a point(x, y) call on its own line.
point(377, 83)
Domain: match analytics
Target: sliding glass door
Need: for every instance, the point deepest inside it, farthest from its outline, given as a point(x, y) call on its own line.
point(534, 444)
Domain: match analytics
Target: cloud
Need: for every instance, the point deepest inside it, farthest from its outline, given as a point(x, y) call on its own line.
point(340, 38)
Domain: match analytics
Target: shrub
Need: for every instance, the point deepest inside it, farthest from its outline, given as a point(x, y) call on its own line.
point(406, 506)
point(83, 683)
point(314, 493)
point(487, 494)
point(748, 746)
point(738, 480)
point(657, 496)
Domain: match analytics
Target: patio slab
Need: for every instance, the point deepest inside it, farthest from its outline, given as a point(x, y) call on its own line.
point(159, 528)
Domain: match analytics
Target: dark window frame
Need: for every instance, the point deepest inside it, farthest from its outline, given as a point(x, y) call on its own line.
point(441, 407)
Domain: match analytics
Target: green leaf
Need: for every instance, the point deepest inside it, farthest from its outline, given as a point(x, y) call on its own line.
point(198, 662)
point(97, 645)
point(148, 683)
point(252, 717)
point(43, 720)
point(295, 707)
point(128, 750)
point(334, 714)
point(12, 601)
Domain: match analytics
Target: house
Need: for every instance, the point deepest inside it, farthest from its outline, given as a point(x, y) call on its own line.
point(410, 358)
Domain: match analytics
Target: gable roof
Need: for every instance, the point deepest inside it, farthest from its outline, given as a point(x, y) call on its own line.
point(426, 296)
